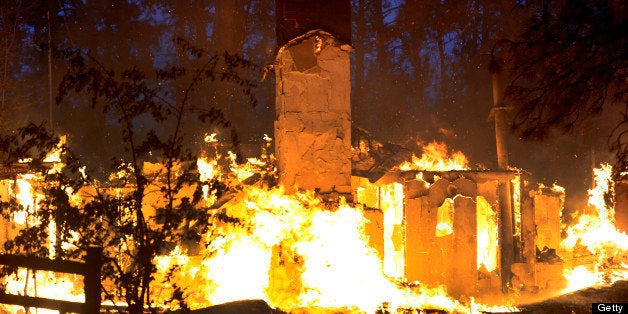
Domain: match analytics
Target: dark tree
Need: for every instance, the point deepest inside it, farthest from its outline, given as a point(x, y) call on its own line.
point(153, 200)
point(569, 64)
point(23, 26)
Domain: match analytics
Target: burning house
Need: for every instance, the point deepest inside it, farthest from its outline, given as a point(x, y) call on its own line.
point(356, 225)
point(475, 231)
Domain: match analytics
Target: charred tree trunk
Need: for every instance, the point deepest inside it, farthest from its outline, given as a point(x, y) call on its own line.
point(505, 191)
point(501, 135)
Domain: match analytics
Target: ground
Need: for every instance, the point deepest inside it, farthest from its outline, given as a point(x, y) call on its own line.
point(580, 301)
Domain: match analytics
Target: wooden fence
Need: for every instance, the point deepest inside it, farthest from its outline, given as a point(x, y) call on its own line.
point(90, 270)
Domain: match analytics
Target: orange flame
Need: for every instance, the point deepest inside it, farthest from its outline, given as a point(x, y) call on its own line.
point(437, 157)
point(295, 251)
point(597, 234)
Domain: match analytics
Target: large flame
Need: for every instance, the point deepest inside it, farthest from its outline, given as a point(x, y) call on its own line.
point(595, 232)
point(488, 233)
point(292, 250)
point(24, 189)
point(437, 156)
point(295, 251)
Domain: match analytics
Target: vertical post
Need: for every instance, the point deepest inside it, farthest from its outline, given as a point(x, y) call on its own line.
point(91, 280)
point(506, 232)
point(501, 141)
point(501, 127)
point(464, 273)
point(528, 236)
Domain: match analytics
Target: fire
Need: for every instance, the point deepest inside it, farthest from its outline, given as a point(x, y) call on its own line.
point(437, 157)
point(44, 284)
point(488, 233)
point(24, 189)
point(47, 284)
point(54, 156)
point(581, 277)
point(444, 226)
point(298, 252)
point(23, 192)
point(392, 204)
point(338, 273)
point(206, 168)
point(595, 233)
point(294, 251)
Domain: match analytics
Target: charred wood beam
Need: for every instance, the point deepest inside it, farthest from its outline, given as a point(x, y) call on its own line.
point(12, 170)
point(452, 175)
point(60, 266)
point(90, 269)
point(44, 303)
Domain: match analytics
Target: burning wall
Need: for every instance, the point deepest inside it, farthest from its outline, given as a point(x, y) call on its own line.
point(539, 266)
point(444, 204)
point(444, 232)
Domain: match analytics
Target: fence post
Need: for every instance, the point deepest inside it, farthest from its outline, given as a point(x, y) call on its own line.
point(91, 280)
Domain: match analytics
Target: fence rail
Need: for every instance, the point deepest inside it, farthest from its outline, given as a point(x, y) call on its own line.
point(89, 269)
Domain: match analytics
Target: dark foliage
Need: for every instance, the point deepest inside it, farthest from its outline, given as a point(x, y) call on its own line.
point(569, 64)
point(118, 214)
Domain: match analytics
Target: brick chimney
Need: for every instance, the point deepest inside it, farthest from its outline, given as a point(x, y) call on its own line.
point(313, 114)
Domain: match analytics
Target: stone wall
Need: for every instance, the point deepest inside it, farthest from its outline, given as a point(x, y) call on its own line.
point(313, 121)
